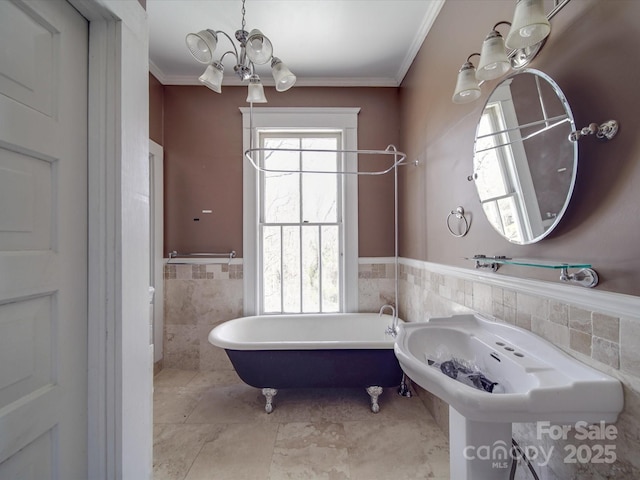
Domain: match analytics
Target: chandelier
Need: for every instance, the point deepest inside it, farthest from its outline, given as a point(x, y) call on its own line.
point(255, 49)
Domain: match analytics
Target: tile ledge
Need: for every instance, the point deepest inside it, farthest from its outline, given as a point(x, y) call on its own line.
point(616, 304)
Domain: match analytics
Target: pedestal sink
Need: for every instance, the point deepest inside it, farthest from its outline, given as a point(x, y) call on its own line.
point(536, 381)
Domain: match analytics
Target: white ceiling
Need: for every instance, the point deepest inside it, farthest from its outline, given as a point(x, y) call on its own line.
point(323, 42)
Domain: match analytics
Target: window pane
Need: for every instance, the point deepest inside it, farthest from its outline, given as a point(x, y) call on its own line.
point(271, 269)
point(310, 270)
point(493, 214)
point(281, 191)
point(493, 182)
point(509, 215)
point(291, 269)
point(502, 214)
point(320, 191)
point(330, 268)
point(281, 160)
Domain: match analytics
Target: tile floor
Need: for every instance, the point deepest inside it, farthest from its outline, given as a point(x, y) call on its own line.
point(210, 425)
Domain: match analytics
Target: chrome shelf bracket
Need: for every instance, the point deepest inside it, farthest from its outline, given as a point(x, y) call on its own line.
point(585, 277)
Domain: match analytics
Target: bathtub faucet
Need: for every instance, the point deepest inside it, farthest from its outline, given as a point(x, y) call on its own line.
point(393, 328)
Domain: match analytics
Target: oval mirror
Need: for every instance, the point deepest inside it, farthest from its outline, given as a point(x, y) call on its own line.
point(524, 164)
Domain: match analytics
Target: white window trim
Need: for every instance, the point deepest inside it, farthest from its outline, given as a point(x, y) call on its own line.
point(344, 119)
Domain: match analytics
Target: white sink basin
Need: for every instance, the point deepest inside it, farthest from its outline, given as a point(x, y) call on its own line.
point(540, 382)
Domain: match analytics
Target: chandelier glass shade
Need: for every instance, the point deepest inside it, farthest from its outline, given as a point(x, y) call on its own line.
point(282, 75)
point(256, 91)
point(202, 44)
point(212, 77)
point(259, 48)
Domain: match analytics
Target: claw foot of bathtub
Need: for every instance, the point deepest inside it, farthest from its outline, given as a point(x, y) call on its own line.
point(269, 393)
point(374, 393)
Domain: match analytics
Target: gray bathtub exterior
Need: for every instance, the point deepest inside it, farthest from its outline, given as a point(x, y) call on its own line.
point(335, 368)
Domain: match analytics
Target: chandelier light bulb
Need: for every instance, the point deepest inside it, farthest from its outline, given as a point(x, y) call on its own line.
point(256, 44)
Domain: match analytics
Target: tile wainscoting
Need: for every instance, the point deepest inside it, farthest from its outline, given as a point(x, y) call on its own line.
point(197, 297)
point(599, 328)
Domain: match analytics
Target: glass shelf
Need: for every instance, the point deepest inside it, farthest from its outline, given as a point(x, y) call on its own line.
point(530, 262)
point(586, 276)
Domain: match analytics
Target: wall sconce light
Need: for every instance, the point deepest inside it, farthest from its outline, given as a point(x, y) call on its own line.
point(467, 87)
point(493, 58)
point(527, 34)
point(529, 26)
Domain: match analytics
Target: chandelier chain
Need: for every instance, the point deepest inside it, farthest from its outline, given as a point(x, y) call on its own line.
point(243, 13)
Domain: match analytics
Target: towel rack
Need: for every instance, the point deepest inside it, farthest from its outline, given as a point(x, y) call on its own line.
point(175, 255)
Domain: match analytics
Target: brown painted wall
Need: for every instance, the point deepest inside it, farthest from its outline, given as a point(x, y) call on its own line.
point(203, 163)
point(156, 110)
point(590, 53)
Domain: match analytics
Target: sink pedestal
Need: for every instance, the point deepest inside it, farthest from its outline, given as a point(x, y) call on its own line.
point(478, 450)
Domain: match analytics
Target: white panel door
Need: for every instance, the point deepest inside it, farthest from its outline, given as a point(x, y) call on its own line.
point(43, 241)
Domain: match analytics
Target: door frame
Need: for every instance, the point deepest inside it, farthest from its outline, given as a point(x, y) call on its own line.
point(120, 359)
point(156, 199)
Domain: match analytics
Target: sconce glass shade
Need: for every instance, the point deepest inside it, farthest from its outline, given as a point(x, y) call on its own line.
point(493, 58)
point(212, 77)
point(202, 44)
point(282, 75)
point(467, 88)
point(256, 91)
point(530, 25)
point(258, 47)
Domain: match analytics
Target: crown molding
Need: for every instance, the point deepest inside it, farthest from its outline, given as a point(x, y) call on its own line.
point(269, 82)
point(427, 22)
point(156, 72)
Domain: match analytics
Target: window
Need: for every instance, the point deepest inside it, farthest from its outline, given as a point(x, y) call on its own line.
point(300, 230)
point(300, 224)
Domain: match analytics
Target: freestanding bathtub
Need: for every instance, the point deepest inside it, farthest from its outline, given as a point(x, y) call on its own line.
point(274, 352)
